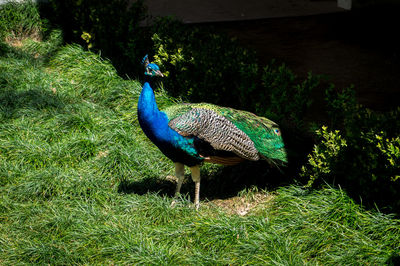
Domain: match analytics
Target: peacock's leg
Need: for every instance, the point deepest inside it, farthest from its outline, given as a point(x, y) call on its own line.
point(180, 174)
point(196, 178)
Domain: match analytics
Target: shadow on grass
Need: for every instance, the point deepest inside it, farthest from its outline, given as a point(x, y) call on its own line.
point(393, 260)
point(225, 183)
point(161, 186)
point(36, 99)
point(17, 94)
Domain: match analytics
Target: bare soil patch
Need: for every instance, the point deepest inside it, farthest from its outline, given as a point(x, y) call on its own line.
point(243, 205)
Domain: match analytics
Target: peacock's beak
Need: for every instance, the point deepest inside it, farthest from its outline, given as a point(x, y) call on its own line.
point(158, 73)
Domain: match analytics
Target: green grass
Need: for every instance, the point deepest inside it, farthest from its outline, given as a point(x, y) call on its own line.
point(20, 21)
point(80, 183)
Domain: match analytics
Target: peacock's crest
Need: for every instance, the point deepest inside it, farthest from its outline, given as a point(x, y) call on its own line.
point(145, 61)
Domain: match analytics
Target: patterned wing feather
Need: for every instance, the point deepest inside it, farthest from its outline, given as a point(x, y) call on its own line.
point(216, 130)
point(247, 135)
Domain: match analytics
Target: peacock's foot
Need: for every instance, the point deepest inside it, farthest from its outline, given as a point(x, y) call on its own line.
point(195, 206)
point(175, 201)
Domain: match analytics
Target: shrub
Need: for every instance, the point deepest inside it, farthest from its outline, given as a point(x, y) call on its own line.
point(325, 155)
point(367, 166)
point(107, 26)
point(365, 158)
point(204, 66)
point(340, 105)
point(390, 149)
point(287, 100)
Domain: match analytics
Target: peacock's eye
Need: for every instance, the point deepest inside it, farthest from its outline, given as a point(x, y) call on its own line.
point(149, 71)
point(277, 131)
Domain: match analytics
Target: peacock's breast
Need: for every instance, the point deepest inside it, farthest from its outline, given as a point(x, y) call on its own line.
point(176, 147)
point(154, 124)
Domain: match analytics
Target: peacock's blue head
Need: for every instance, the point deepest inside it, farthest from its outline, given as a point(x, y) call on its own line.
point(151, 69)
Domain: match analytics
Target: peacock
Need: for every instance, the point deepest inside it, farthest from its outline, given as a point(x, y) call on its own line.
point(192, 133)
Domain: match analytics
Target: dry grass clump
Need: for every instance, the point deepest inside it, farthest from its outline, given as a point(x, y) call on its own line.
point(244, 205)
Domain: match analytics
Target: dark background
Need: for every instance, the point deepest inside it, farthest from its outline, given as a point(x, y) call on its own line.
point(358, 46)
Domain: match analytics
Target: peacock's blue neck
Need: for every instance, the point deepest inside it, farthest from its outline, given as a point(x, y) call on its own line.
point(150, 118)
point(154, 124)
point(147, 106)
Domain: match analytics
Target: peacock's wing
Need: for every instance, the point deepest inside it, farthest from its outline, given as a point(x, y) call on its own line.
point(243, 133)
